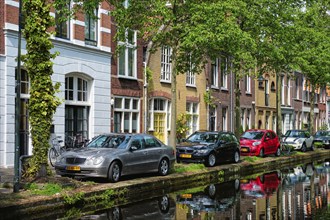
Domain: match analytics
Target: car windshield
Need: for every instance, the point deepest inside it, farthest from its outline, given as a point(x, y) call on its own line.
point(108, 141)
point(203, 137)
point(322, 133)
point(294, 134)
point(253, 135)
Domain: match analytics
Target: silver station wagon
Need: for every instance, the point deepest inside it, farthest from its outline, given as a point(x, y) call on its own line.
point(114, 155)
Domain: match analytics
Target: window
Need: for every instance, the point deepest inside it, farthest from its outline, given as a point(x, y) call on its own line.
point(248, 121)
point(91, 29)
point(76, 107)
point(76, 89)
point(213, 119)
point(126, 115)
point(151, 142)
point(192, 111)
point(224, 71)
point(62, 27)
point(166, 67)
point(266, 93)
point(214, 73)
point(282, 91)
point(190, 76)
point(248, 83)
point(289, 91)
point(127, 56)
point(243, 118)
point(297, 88)
point(224, 119)
point(25, 82)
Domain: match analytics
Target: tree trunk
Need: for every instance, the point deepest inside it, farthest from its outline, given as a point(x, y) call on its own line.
point(172, 141)
point(237, 106)
point(311, 114)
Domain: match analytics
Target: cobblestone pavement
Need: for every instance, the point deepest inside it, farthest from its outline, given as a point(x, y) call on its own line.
point(6, 179)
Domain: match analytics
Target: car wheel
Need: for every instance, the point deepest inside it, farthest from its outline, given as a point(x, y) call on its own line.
point(163, 168)
point(210, 162)
point(303, 147)
point(115, 214)
point(278, 152)
point(262, 153)
point(114, 172)
point(164, 204)
point(236, 157)
point(212, 190)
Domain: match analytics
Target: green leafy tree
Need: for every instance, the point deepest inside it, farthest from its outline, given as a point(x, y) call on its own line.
point(313, 51)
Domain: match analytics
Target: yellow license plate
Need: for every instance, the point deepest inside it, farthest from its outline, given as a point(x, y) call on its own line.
point(244, 149)
point(73, 168)
point(185, 155)
point(186, 196)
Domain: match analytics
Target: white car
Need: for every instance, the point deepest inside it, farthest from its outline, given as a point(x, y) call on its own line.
point(298, 139)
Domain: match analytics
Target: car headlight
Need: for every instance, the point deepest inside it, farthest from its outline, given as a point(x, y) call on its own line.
point(60, 160)
point(203, 151)
point(256, 143)
point(94, 160)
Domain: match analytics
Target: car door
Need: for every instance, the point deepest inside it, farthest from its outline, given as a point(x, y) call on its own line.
point(222, 148)
point(154, 151)
point(269, 143)
point(135, 160)
point(309, 139)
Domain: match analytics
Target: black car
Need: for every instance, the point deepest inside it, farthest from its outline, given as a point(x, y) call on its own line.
point(209, 148)
point(322, 138)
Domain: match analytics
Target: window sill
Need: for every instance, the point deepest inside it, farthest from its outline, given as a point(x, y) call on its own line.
point(191, 86)
point(214, 87)
point(165, 81)
point(127, 77)
point(224, 89)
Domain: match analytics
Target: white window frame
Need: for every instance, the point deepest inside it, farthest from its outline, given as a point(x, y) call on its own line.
point(224, 72)
point(297, 87)
point(248, 83)
point(91, 40)
point(215, 73)
point(128, 109)
point(67, 22)
point(192, 109)
point(85, 91)
point(289, 91)
point(166, 64)
point(166, 110)
point(283, 91)
point(127, 46)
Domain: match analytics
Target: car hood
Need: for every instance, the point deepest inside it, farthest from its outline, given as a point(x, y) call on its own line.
point(247, 142)
point(87, 152)
point(194, 145)
point(291, 139)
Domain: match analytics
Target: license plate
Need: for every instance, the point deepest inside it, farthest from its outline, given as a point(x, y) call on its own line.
point(185, 155)
point(186, 196)
point(73, 168)
point(244, 149)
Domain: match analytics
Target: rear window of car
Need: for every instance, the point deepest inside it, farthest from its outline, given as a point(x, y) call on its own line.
point(253, 135)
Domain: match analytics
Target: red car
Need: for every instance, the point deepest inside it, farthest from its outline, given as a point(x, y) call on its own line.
point(262, 186)
point(259, 142)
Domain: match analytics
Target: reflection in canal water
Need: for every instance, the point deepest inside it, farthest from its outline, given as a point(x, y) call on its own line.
point(298, 193)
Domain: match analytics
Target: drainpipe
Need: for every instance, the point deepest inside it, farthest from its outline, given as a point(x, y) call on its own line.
point(145, 87)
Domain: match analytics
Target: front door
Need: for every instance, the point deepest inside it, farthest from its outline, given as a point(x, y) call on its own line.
point(159, 126)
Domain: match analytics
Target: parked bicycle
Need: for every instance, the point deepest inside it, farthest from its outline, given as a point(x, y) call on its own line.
point(55, 150)
point(76, 141)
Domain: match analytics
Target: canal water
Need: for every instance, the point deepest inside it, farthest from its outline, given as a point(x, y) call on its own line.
point(297, 193)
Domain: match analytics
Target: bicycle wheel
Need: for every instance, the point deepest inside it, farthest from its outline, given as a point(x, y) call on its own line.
point(52, 155)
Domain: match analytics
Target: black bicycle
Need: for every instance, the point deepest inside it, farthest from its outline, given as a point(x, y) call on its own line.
point(55, 150)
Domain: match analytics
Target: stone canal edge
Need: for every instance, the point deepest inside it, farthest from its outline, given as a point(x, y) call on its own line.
point(102, 196)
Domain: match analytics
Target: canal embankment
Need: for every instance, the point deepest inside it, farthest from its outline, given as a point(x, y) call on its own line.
point(90, 198)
